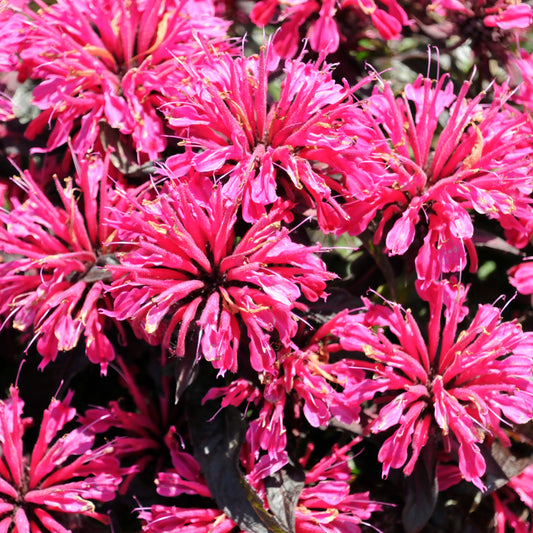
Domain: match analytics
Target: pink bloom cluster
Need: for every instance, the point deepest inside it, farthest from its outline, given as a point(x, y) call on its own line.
point(112, 61)
point(230, 228)
point(299, 147)
point(325, 504)
point(302, 381)
point(53, 275)
point(184, 270)
point(323, 33)
point(464, 383)
point(433, 158)
point(62, 475)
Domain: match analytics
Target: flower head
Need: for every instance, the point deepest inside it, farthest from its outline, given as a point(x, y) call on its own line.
point(491, 28)
point(297, 147)
point(323, 22)
point(185, 272)
point(461, 383)
point(62, 475)
point(326, 503)
point(53, 275)
point(426, 180)
point(112, 61)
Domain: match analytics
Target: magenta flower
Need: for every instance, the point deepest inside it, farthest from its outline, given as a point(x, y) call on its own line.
point(53, 279)
point(509, 515)
point(62, 475)
point(492, 13)
point(323, 33)
point(491, 28)
point(11, 22)
point(112, 61)
point(523, 61)
point(298, 147)
point(521, 277)
point(326, 503)
point(424, 180)
point(185, 272)
point(184, 478)
point(456, 387)
point(304, 381)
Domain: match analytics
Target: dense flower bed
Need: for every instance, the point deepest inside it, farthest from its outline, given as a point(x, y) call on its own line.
point(266, 267)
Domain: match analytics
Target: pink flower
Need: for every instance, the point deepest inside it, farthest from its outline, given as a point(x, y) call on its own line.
point(185, 272)
point(492, 13)
point(326, 504)
point(298, 147)
point(323, 33)
point(112, 61)
point(303, 381)
point(172, 519)
point(462, 384)
point(429, 178)
point(508, 514)
point(53, 281)
point(521, 277)
point(62, 475)
point(491, 27)
point(185, 477)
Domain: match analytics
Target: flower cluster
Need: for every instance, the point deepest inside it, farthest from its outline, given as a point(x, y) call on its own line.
point(53, 276)
point(184, 260)
point(323, 33)
point(281, 252)
point(436, 158)
point(465, 383)
point(112, 61)
point(299, 147)
point(63, 474)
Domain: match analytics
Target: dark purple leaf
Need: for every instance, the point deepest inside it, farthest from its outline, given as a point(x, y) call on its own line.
point(421, 492)
point(216, 438)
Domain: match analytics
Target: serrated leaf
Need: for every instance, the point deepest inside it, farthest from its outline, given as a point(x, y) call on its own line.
point(216, 438)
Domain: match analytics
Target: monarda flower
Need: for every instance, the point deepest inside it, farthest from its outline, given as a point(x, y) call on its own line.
point(298, 147)
point(323, 33)
point(54, 256)
point(11, 22)
point(491, 27)
point(427, 180)
point(61, 476)
point(326, 503)
point(521, 277)
point(114, 61)
point(508, 513)
point(450, 390)
point(187, 272)
point(303, 382)
point(185, 477)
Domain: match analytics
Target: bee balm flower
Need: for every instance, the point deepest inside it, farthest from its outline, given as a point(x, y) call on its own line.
point(454, 388)
point(185, 267)
point(62, 475)
point(113, 61)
